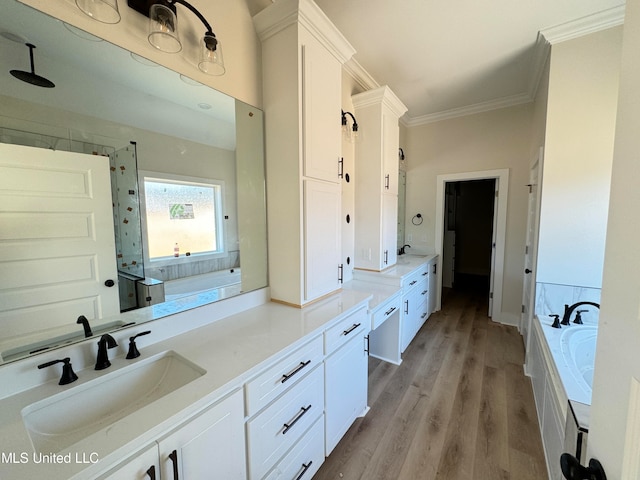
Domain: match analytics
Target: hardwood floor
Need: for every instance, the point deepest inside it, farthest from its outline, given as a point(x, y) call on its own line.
point(458, 407)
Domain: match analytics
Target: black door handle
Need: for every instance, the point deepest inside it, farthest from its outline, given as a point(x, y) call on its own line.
point(109, 283)
point(526, 270)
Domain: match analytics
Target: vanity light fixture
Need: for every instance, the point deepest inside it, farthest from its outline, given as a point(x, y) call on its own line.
point(403, 161)
point(105, 11)
point(353, 134)
point(163, 27)
point(163, 32)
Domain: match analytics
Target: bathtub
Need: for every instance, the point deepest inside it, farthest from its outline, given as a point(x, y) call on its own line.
point(225, 281)
point(573, 350)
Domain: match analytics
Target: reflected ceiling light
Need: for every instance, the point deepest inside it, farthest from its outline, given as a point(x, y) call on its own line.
point(163, 32)
point(105, 11)
point(353, 134)
point(31, 77)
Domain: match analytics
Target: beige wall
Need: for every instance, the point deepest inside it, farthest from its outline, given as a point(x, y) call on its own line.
point(497, 139)
point(580, 125)
point(617, 370)
point(230, 20)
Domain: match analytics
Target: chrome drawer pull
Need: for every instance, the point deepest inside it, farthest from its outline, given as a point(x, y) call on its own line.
point(390, 311)
point(287, 376)
point(304, 469)
point(347, 332)
point(287, 426)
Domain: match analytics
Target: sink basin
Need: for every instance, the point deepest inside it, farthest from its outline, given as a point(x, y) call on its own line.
point(58, 422)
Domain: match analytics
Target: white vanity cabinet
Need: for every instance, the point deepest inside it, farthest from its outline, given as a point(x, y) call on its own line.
point(282, 402)
point(211, 445)
point(376, 179)
point(302, 104)
point(345, 376)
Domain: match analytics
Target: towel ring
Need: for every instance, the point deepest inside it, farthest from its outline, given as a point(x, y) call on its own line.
point(419, 221)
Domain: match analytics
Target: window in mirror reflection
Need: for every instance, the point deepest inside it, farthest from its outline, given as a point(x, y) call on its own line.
point(182, 216)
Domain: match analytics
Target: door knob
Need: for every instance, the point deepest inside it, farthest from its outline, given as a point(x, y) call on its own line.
point(526, 270)
point(109, 283)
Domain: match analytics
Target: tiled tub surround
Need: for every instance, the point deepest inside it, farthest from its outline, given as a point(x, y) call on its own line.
point(231, 349)
point(182, 268)
point(551, 298)
point(230, 279)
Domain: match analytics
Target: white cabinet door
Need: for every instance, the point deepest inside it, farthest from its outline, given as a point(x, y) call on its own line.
point(409, 317)
point(322, 76)
point(345, 389)
point(211, 445)
point(389, 226)
point(390, 159)
point(145, 466)
point(322, 208)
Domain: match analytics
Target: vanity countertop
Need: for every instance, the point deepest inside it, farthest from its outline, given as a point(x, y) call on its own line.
point(405, 265)
point(231, 350)
point(380, 292)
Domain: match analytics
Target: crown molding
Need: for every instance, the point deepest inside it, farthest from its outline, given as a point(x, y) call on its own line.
point(503, 102)
point(284, 13)
point(379, 96)
point(611, 17)
point(596, 22)
point(360, 75)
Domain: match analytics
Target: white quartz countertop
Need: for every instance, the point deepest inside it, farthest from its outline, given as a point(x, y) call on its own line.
point(380, 292)
point(231, 350)
point(405, 265)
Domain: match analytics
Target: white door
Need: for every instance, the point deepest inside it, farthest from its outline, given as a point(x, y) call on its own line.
point(57, 245)
point(494, 236)
point(529, 284)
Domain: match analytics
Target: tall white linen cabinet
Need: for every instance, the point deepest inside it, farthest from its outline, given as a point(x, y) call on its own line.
point(302, 55)
point(377, 168)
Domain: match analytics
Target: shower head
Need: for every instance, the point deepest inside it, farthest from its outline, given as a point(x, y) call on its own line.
point(31, 77)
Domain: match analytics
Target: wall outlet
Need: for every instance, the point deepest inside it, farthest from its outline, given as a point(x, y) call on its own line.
point(409, 237)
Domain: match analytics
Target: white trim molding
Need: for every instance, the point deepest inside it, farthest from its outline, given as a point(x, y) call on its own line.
point(609, 18)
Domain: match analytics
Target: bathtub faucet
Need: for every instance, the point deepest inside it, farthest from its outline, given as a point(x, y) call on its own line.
point(568, 310)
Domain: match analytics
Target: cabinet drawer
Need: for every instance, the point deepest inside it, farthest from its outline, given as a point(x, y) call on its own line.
point(304, 460)
point(275, 430)
point(345, 330)
point(422, 290)
point(283, 375)
point(385, 311)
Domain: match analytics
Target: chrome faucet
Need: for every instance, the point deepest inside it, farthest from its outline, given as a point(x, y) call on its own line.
point(568, 310)
point(105, 342)
point(401, 250)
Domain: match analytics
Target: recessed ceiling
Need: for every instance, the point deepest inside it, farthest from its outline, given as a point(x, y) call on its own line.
point(444, 58)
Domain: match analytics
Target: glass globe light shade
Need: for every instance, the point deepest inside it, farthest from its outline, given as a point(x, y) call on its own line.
point(163, 29)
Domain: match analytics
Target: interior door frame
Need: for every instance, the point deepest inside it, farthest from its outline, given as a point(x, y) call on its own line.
point(531, 253)
point(502, 183)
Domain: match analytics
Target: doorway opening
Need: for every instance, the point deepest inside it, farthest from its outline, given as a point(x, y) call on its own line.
point(500, 181)
point(468, 235)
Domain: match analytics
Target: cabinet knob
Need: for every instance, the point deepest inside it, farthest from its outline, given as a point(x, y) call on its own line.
point(109, 283)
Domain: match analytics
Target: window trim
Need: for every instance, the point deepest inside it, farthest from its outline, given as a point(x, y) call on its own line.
point(220, 227)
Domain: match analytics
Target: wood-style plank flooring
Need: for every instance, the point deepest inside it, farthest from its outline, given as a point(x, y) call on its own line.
point(458, 407)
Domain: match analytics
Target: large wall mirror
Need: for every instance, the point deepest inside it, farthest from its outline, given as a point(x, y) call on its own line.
point(124, 184)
